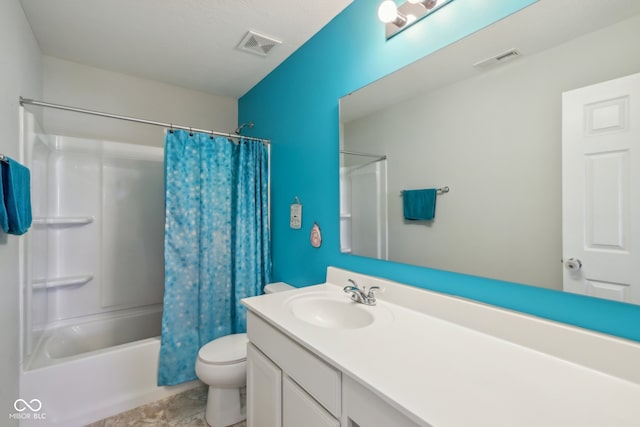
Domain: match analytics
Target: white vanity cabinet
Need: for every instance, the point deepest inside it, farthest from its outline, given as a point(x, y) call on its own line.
point(287, 386)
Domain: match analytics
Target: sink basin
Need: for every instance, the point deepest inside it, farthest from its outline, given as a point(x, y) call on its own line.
point(331, 311)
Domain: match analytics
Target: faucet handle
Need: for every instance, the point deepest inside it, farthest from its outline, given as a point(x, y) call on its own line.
point(371, 289)
point(350, 288)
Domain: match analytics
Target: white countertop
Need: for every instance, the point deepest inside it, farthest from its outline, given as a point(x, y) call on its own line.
point(442, 374)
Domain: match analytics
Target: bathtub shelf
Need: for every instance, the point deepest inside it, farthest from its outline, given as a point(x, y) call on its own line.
point(61, 282)
point(63, 220)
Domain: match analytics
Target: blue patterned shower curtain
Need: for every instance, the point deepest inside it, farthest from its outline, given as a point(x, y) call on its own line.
point(216, 243)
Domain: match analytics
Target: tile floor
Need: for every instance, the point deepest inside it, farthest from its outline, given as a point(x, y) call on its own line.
point(181, 410)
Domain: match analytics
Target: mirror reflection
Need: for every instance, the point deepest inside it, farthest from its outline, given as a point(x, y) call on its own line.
point(363, 204)
point(483, 117)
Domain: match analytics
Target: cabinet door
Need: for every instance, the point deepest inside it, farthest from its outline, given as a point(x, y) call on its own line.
point(264, 390)
point(300, 409)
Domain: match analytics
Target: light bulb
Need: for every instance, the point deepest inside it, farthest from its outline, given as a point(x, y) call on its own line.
point(429, 4)
point(387, 11)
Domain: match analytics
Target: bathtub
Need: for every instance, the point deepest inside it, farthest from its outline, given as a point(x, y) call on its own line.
point(83, 372)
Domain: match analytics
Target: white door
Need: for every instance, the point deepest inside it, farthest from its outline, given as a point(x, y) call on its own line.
point(601, 189)
point(264, 390)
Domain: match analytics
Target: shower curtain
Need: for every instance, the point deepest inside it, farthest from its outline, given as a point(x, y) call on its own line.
point(216, 243)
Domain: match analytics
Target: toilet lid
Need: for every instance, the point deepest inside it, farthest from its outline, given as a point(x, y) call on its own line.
point(225, 350)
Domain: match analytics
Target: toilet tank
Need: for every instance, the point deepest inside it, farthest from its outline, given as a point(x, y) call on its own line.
point(277, 287)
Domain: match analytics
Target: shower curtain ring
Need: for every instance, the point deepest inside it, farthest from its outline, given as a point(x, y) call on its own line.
point(211, 136)
point(171, 128)
point(190, 131)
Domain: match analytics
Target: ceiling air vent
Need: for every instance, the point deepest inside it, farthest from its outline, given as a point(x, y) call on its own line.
point(498, 59)
point(258, 43)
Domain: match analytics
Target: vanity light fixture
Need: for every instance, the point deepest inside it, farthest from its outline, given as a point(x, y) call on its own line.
point(398, 18)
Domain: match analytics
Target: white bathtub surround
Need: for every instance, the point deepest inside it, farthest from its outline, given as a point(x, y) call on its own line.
point(96, 246)
point(437, 360)
point(73, 338)
point(83, 371)
point(93, 278)
point(96, 385)
point(96, 243)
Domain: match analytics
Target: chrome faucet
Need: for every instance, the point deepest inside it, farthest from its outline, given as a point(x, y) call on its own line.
point(361, 295)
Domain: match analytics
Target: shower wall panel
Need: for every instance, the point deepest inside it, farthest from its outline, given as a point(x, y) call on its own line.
point(74, 244)
point(101, 233)
point(133, 231)
point(36, 149)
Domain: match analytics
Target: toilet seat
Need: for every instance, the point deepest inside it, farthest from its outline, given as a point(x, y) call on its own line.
point(225, 350)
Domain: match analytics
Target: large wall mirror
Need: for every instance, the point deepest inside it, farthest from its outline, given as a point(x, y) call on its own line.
point(482, 116)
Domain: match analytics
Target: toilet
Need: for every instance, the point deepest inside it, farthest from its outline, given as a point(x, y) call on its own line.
point(222, 365)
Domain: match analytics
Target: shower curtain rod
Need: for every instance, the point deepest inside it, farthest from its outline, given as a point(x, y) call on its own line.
point(24, 101)
point(355, 153)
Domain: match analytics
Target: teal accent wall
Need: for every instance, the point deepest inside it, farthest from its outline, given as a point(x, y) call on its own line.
point(296, 106)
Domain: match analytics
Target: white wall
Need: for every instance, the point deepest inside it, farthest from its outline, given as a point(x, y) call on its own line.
point(20, 74)
point(77, 85)
point(495, 140)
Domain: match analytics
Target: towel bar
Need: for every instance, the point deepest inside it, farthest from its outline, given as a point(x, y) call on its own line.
point(440, 190)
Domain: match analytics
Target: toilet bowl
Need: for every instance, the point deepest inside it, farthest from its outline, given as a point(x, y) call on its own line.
point(222, 365)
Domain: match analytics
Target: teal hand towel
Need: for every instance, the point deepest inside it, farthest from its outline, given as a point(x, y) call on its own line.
point(419, 204)
point(16, 195)
point(4, 218)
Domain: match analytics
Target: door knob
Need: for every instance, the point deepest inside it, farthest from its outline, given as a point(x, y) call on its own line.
point(573, 264)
